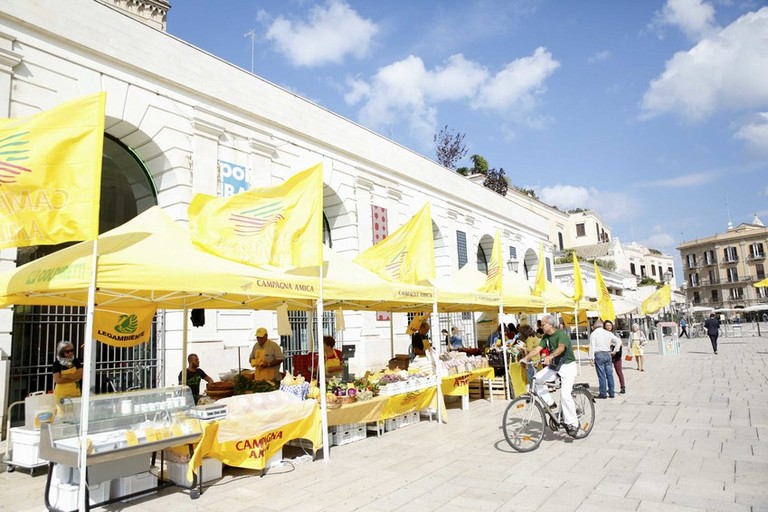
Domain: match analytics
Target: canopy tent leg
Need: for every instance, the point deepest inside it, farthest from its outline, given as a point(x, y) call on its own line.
point(89, 378)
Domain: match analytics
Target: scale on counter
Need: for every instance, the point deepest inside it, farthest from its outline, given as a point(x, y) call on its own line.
point(347, 353)
point(208, 411)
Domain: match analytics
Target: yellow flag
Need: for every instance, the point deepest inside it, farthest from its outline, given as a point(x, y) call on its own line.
point(493, 280)
point(604, 302)
point(578, 286)
point(50, 174)
point(762, 283)
point(123, 328)
point(568, 319)
point(280, 226)
point(657, 300)
point(541, 274)
point(408, 254)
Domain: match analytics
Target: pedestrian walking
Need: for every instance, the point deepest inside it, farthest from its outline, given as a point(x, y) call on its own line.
point(683, 326)
point(616, 358)
point(637, 341)
point(712, 325)
point(601, 346)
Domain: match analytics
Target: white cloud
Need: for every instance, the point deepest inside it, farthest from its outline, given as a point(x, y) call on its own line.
point(754, 133)
point(696, 19)
point(459, 78)
point(599, 57)
point(330, 34)
point(613, 206)
point(397, 93)
point(407, 91)
point(724, 71)
point(686, 180)
point(518, 86)
point(660, 240)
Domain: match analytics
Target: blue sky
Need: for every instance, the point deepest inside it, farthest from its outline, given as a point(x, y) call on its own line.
point(652, 113)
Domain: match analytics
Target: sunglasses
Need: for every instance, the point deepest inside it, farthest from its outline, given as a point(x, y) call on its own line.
point(69, 351)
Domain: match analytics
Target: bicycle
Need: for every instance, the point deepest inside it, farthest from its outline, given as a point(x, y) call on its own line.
point(527, 416)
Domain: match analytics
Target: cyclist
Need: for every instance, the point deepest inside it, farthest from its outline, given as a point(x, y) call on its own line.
point(560, 360)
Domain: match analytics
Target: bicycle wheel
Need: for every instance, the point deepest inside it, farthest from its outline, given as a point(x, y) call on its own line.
point(585, 412)
point(524, 424)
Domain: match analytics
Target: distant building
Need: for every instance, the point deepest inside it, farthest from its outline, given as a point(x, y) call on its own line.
point(644, 262)
point(720, 269)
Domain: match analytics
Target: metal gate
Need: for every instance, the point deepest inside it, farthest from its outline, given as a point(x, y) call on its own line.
point(37, 330)
point(465, 321)
point(299, 342)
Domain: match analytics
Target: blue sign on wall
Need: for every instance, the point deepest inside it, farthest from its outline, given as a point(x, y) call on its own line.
point(234, 178)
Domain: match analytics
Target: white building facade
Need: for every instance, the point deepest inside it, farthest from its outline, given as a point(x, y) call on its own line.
point(186, 122)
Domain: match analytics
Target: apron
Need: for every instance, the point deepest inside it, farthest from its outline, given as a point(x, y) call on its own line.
point(333, 364)
point(66, 390)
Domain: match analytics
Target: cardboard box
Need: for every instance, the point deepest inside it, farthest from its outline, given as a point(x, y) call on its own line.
point(400, 361)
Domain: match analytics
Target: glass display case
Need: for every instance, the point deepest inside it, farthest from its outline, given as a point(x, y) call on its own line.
point(121, 425)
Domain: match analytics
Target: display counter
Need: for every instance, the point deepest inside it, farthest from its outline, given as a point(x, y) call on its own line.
point(124, 430)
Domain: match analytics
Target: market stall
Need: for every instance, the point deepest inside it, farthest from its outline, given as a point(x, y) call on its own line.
point(256, 428)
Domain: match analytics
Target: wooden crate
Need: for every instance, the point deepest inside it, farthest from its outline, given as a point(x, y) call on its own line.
point(476, 389)
point(498, 388)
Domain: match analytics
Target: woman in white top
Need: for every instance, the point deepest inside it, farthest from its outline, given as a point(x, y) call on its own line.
point(637, 341)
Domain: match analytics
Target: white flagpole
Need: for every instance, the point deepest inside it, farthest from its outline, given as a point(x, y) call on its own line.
point(87, 383)
point(504, 346)
point(185, 326)
point(436, 358)
point(578, 345)
point(507, 382)
point(321, 373)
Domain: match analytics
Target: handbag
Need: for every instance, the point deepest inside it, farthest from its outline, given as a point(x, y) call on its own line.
point(628, 357)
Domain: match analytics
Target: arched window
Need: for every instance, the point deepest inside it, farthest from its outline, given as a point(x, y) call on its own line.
point(482, 261)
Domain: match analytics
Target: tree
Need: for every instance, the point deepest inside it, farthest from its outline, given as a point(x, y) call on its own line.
point(449, 147)
point(527, 191)
point(649, 281)
point(479, 166)
point(497, 181)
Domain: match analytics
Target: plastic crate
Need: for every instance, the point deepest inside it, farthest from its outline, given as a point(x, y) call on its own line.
point(411, 418)
point(25, 444)
point(345, 434)
point(177, 471)
point(65, 496)
point(135, 483)
point(392, 424)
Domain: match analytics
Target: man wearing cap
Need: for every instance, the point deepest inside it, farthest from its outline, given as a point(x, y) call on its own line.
point(266, 357)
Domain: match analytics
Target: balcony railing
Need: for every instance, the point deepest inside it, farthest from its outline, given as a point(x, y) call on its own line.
point(754, 257)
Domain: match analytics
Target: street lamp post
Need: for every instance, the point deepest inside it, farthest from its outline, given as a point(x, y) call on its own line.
point(668, 280)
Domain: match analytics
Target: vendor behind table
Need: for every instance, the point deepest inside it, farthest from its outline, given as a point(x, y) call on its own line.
point(266, 357)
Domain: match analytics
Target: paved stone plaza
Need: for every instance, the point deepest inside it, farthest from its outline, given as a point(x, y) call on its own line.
point(690, 434)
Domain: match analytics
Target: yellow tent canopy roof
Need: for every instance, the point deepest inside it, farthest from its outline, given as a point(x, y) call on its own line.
point(151, 259)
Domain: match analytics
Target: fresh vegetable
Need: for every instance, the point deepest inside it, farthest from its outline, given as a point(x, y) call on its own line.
point(243, 385)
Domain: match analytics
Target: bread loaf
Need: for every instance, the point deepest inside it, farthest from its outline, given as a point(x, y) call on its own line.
point(225, 385)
